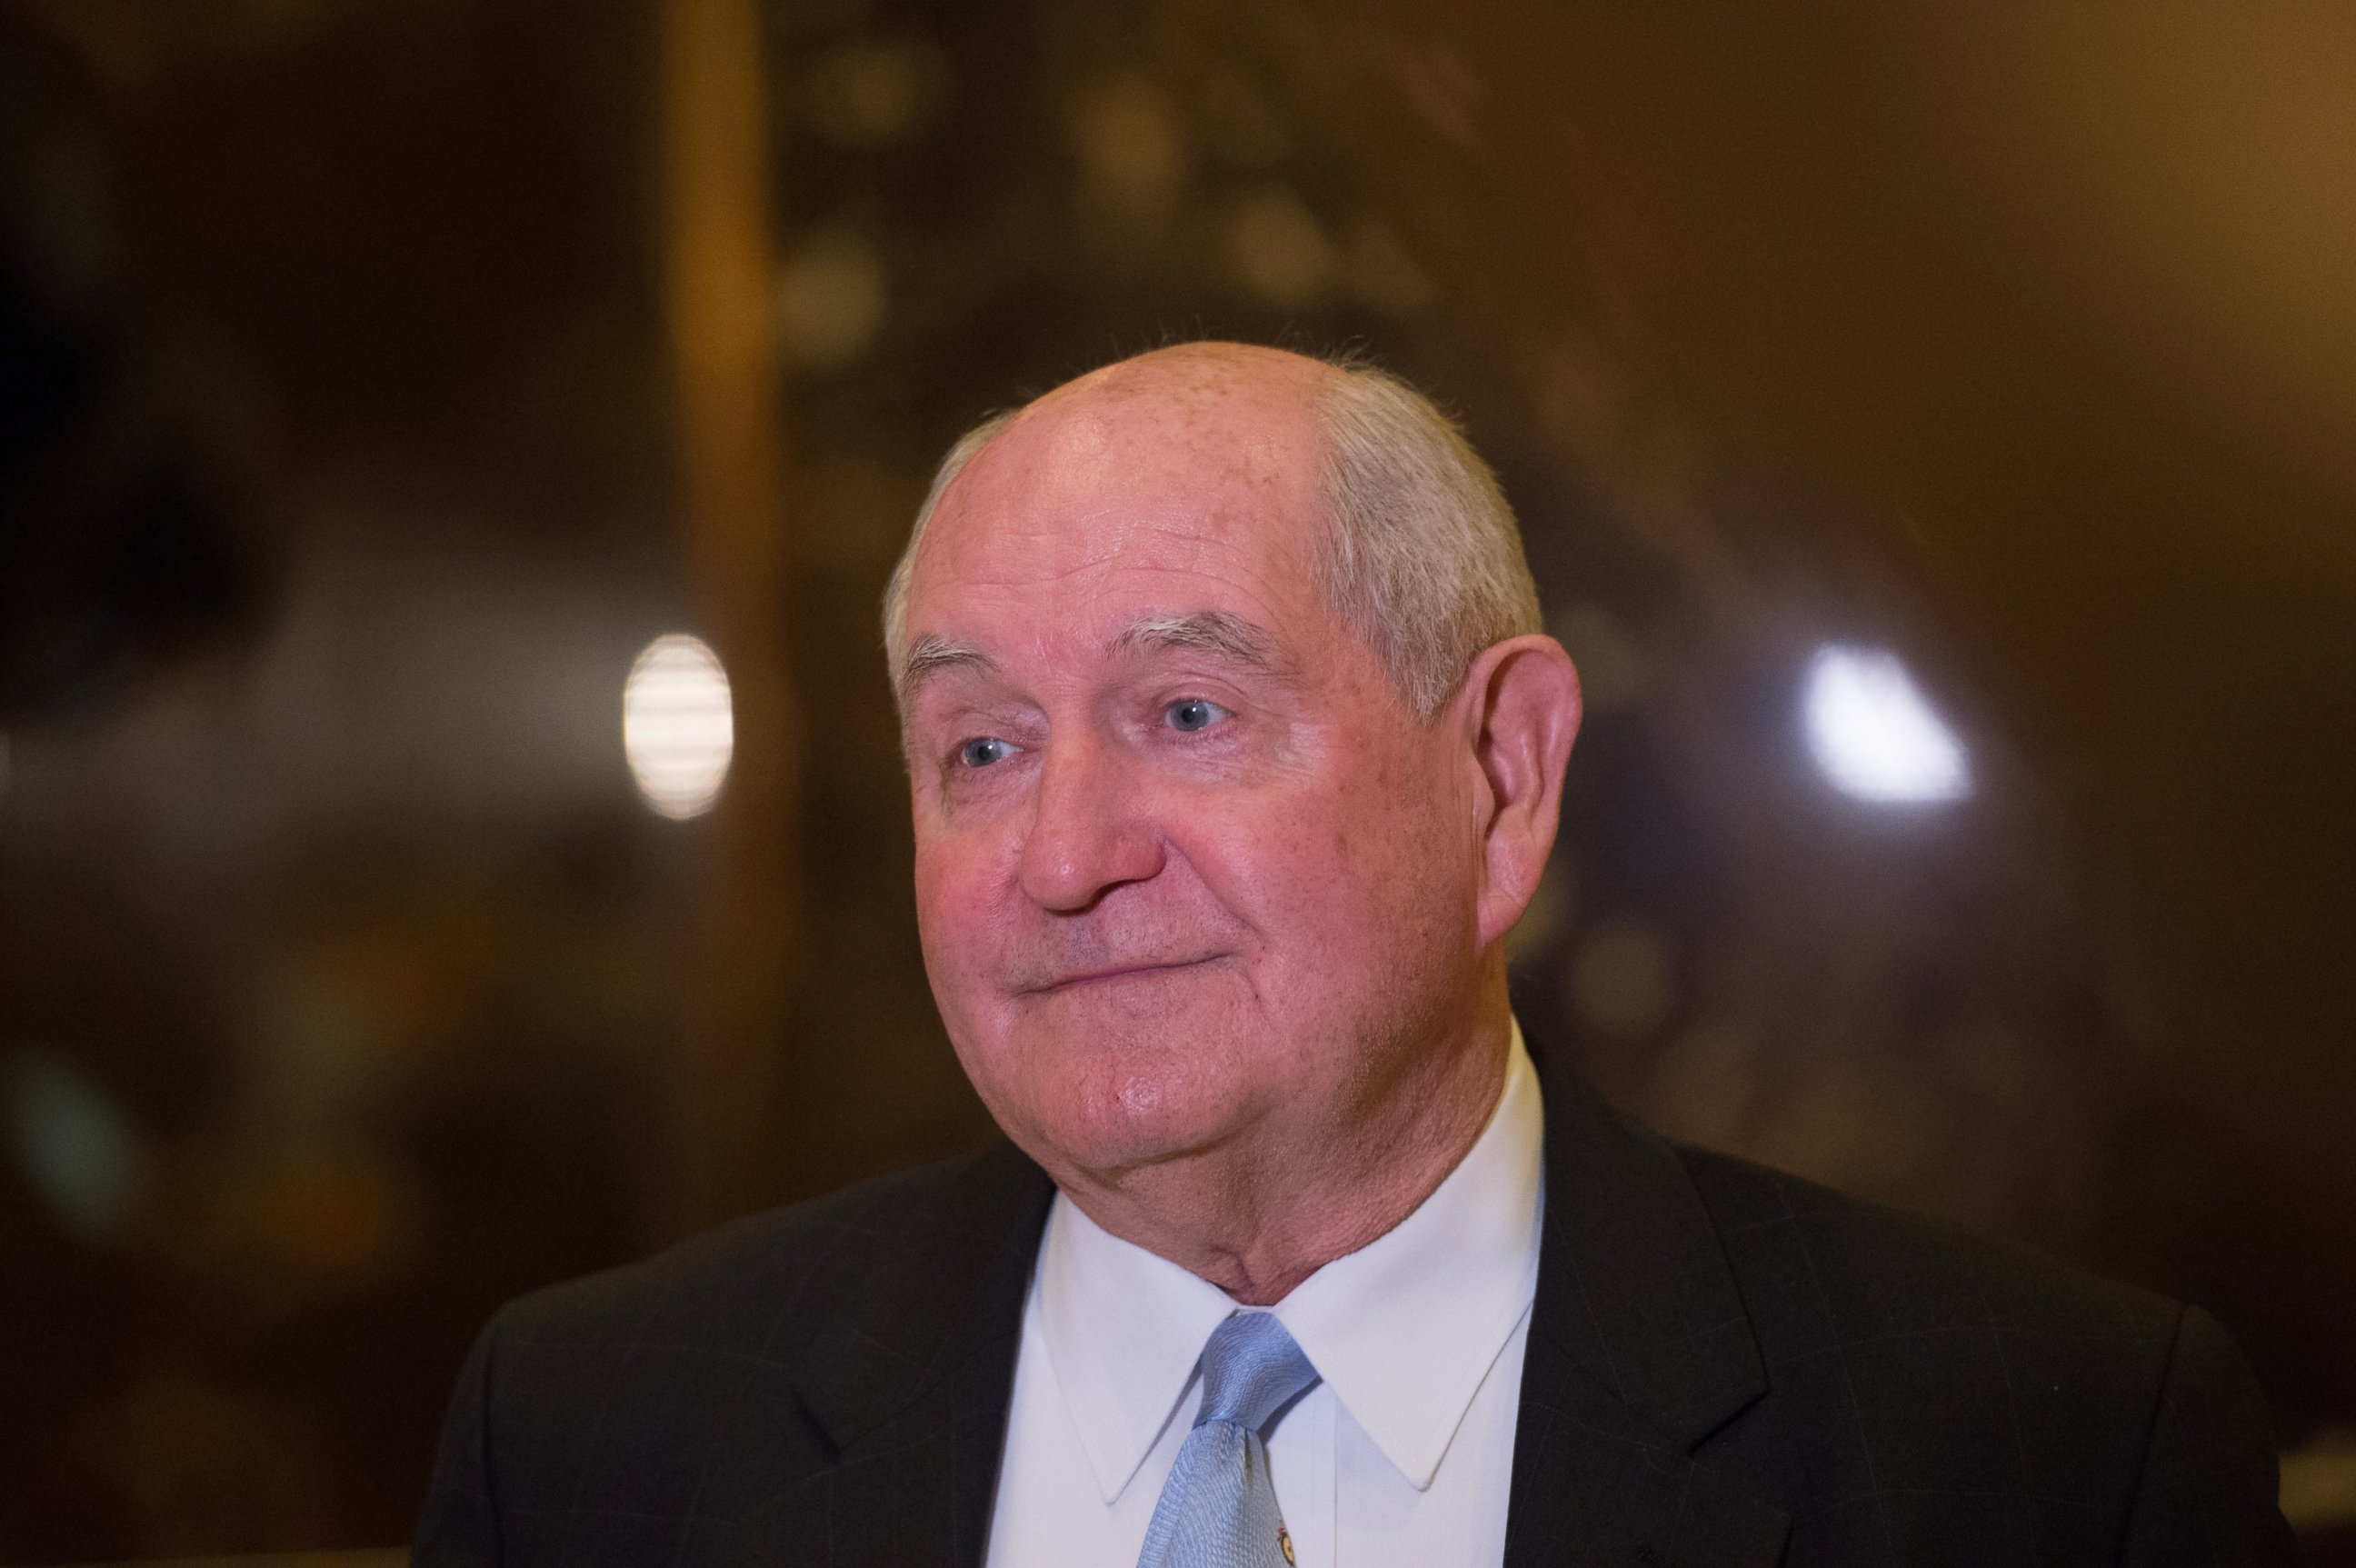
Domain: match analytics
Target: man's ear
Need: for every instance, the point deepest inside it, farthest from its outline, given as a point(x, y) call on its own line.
point(1521, 710)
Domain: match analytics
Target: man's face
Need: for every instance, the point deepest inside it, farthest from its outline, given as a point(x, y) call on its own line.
point(1188, 871)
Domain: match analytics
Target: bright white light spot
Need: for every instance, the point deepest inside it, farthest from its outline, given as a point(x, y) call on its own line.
point(1875, 736)
point(678, 729)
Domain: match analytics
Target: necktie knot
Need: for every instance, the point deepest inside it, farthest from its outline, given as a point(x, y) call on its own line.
point(1251, 1369)
point(1219, 1510)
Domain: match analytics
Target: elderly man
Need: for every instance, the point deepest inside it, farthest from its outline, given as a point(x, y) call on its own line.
point(1235, 751)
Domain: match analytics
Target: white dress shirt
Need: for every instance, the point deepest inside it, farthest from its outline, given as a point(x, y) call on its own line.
point(1402, 1455)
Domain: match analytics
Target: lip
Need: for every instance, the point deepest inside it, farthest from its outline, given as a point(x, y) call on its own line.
point(1113, 972)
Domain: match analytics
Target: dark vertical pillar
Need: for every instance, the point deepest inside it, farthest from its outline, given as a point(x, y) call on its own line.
point(729, 1115)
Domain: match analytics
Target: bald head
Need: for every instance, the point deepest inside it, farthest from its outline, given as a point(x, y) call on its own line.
point(1399, 522)
point(1197, 408)
point(1198, 376)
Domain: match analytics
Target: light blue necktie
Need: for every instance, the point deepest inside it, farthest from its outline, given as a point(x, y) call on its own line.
point(1217, 1510)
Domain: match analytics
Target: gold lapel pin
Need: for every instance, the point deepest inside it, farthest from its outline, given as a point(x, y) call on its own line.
point(1284, 1540)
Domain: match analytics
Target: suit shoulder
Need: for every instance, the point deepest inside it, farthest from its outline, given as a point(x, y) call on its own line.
point(1934, 1395)
point(1803, 1252)
point(689, 1390)
point(748, 1279)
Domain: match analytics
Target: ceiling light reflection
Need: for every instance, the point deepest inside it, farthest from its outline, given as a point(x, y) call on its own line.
point(1874, 735)
point(679, 729)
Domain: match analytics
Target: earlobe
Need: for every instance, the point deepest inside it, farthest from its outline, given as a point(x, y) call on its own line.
point(1528, 707)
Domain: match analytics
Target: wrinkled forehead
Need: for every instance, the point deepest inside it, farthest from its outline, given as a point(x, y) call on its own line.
point(1094, 495)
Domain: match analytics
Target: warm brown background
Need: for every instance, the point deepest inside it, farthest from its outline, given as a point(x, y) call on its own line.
point(377, 376)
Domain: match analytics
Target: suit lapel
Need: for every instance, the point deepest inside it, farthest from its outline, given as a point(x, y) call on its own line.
point(1639, 1348)
point(910, 1378)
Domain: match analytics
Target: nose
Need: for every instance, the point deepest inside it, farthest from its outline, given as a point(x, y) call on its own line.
point(1089, 831)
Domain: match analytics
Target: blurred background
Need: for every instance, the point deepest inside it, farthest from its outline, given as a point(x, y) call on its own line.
point(1934, 428)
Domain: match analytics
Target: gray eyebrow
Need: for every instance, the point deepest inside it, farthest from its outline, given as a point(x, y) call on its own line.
point(930, 655)
point(1214, 632)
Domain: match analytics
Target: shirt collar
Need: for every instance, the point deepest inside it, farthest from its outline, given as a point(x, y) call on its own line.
point(1123, 1328)
point(1403, 1330)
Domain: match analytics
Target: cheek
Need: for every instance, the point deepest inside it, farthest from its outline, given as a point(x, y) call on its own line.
point(958, 884)
point(1362, 877)
point(1393, 826)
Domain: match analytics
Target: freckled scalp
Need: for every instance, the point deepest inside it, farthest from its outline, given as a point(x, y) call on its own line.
point(1423, 556)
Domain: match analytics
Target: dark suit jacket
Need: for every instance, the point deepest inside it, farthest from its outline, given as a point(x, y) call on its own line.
point(1727, 1368)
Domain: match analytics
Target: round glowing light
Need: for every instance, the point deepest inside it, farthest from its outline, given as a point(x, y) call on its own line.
point(1875, 736)
point(678, 729)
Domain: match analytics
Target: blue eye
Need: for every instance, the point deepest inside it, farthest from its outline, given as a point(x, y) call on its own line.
point(984, 751)
point(1192, 714)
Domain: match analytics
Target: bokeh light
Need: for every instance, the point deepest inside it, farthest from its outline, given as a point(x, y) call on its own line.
point(679, 729)
point(79, 1150)
point(1875, 736)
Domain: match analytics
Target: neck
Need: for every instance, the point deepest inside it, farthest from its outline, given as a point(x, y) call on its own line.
point(1258, 1216)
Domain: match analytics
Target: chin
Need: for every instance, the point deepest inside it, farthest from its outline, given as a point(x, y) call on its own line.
point(1111, 1100)
point(1141, 1121)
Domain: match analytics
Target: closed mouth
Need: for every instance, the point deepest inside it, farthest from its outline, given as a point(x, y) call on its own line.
point(1116, 971)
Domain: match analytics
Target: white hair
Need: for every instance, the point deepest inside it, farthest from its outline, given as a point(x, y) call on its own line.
point(1423, 557)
